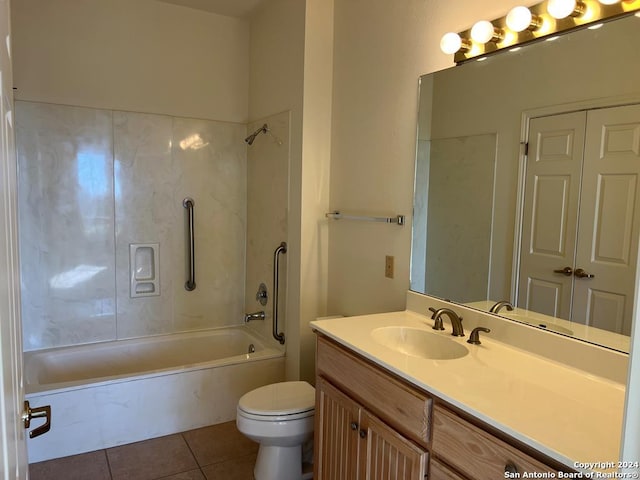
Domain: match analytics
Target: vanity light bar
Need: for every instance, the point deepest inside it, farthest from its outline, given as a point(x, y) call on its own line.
point(518, 27)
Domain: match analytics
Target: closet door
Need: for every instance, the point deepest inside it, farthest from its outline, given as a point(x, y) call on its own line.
point(552, 191)
point(609, 220)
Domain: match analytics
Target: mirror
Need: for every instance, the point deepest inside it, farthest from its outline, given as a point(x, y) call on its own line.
point(477, 215)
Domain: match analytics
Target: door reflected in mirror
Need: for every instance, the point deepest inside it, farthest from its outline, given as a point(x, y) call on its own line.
point(493, 221)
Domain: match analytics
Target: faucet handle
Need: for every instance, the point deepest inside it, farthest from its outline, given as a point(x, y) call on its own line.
point(438, 324)
point(474, 338)
point(437, 319)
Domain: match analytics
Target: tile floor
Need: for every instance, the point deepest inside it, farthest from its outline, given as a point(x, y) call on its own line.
point(218, 452)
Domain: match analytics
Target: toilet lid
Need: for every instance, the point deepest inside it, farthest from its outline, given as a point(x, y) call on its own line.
point(285, 398)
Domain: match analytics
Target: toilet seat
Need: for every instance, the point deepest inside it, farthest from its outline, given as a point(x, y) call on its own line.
point(276, 418)
point(278, 402)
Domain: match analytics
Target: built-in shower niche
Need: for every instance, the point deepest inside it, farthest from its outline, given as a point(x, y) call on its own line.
point(144, 269)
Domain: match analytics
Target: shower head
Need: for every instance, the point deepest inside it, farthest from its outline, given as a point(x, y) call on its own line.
point(263, 129)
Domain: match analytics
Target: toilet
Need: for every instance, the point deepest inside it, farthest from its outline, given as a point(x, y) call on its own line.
point(280, 418)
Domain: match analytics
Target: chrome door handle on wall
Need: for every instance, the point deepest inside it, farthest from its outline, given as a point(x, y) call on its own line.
point(580, 273)
point(38, 412)
point(191, 280)
point(282, 248)
point(567, 271)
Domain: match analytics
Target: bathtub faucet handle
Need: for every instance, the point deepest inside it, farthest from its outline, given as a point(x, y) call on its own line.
point(254, 316)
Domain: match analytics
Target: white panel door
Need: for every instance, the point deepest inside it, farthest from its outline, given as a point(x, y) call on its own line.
point(13, 463)
point(552, 191)
point(609, 221)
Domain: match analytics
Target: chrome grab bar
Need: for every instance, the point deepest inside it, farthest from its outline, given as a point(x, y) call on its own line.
point(336, 215)
point(190, 284)
point(282, 248)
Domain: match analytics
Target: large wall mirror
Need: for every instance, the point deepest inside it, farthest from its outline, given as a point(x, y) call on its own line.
point(527, 183)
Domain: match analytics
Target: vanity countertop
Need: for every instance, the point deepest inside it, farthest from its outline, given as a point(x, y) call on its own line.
point(563, 412)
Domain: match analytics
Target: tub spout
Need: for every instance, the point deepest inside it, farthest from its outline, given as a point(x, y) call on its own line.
point(254, 316)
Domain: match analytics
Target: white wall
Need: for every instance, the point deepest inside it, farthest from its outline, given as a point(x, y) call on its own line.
point(142, 56)
point(276, 85)
point(630, 450)
point(291, 69)
point(381, 48)
point(316, 163)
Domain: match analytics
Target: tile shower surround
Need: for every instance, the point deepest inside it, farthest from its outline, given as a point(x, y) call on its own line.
point(93, 181)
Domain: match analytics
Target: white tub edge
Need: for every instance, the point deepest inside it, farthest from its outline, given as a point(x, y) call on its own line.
point(113, 414)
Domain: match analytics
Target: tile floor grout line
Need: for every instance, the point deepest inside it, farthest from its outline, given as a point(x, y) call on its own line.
point(232, 461)
point(191, 451)
point(104, 450)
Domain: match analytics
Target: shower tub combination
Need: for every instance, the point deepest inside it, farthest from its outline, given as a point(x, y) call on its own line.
point(112, 393)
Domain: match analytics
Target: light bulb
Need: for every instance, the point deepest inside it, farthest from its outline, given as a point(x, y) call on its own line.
point(482, 31)
point(563, 8)
point(521, 18)
point(450, 43)
point(609, 2)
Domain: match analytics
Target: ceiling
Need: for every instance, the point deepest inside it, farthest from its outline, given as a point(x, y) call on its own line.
point(230, 8)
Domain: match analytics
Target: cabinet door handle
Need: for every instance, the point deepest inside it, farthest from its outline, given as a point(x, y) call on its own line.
point(363, 433)
point(511, 469)
point(354, 426)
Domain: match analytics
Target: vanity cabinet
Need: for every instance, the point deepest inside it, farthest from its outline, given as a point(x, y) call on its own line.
point(372, 425)
point(354, 444)
point(368, 424)
point(475, 452)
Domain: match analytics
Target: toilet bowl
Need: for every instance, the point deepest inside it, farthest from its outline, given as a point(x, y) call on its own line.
point(280, 418)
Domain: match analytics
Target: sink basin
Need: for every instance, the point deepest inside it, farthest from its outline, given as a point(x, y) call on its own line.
point(535, 322)
point(418, 343)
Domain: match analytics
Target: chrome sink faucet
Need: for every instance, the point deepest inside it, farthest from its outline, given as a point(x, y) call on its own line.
point(456, 321)
point(497, 306)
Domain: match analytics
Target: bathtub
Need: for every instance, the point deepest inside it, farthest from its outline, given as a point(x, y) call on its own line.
point(112, 393)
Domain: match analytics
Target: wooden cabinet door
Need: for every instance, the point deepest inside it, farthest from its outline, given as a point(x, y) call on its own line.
point(337, 424)
point(387, 455)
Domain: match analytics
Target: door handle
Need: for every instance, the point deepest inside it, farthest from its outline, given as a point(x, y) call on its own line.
point(38, 412)
point(568, 271)
point(580, 273)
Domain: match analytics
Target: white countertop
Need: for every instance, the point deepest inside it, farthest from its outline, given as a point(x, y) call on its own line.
point(563, 412)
